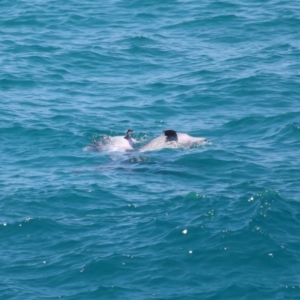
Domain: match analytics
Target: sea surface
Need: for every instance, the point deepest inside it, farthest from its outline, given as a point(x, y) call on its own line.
point(213, 221)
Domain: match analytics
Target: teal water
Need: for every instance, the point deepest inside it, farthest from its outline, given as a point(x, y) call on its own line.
point(218, 221)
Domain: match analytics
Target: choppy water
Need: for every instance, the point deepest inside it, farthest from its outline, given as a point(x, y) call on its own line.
point(220, 221)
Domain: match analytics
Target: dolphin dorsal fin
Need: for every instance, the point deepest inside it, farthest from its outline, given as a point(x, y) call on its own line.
point(128, 133)
point(171, 135)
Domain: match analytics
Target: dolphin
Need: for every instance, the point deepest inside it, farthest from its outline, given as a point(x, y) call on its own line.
point(172, 139)
point(114, 143)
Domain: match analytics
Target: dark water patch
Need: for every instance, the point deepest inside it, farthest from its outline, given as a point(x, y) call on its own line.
point(10, 82)
point(139, 40)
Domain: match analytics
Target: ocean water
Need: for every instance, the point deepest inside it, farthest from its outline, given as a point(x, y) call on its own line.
point(216, 221)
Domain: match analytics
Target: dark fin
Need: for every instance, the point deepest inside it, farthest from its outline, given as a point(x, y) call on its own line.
point(171, 135)
point(127, 133)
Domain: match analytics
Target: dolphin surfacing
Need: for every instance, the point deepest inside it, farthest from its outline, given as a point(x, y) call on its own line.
point(169, 139)
point(114, 143)
point(172, 139)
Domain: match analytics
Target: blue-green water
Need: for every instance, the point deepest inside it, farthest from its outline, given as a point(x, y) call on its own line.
point(219, 221)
